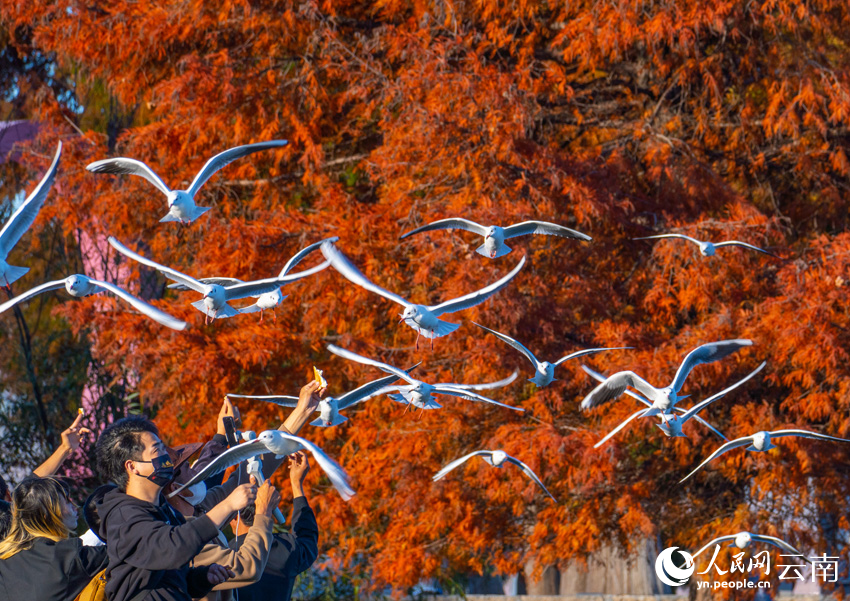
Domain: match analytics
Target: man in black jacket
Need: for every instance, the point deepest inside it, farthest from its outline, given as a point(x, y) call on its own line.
point(292, 552)
point(150, 545)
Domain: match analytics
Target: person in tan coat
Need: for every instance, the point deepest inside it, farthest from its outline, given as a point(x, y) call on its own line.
point(249, 560)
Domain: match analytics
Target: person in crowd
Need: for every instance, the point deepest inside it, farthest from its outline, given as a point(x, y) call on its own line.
point(291, 552)
point(94, 536)
point(151, 547)
point(38, 558)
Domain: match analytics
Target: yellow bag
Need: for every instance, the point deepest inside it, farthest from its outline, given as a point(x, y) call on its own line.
point(95, 590)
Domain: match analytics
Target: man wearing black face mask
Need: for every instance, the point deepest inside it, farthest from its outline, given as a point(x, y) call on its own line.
point(150, 546)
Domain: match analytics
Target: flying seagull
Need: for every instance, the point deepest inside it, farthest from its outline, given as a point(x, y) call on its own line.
point(424, 319)
point(214, 302)
point(544, 373)
point(760, 442)
point(266, 300)
point(495, 459)
point(21, 220)
point(79, 285)
point(663, 399)
point(401, 398)
point(418, 393)
point(181, 203)
point(672, 425)
point(495, 236)
point(329, 407)
point(707, 249)
point(743, 539)
point(281, 444)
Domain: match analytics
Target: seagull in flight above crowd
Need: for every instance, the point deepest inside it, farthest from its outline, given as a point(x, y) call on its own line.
point(707, 249)
point(79, 286)
point(424, 319)
point(181, 203)
point(214, 302)
point(760, 442)
point(743, 539)
point(329, 407)
point(401, 398)
point(544, 371)
point(21, 220)
point(663, 399)
point(281, 444)
point(267, 300)
point(495, 236)
point(672, 424)
point(418, 393)
point(495, 459)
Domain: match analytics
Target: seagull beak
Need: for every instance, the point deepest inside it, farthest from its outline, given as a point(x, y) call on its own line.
point(402, 319)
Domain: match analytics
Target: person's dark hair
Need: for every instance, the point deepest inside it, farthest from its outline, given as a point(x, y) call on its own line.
point(4, 489)
point(37, 506)
point(247, 514)
point(5, 518)
point(119, 443)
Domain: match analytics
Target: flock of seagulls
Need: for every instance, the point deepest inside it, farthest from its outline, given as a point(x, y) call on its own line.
point(217, 292)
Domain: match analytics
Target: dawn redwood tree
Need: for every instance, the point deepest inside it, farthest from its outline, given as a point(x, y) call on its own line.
point(718, 119)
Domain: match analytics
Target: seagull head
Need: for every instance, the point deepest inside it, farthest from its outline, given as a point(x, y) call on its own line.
point(491, 232)
point(77, 285)
point(498, 458)
point(743, 539)
point(411, 312)
point(214, 293)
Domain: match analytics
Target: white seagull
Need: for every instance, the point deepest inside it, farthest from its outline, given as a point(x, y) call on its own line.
point(418, 393)
point(495, 236)
point(743, 539)
point(79, 285)
point(760, 442)
point(663, 399)
point(21, 220)
point(707, 249)
point(214, 302)
point(495, 459)
point(544, 373)
point(267, 300)
point(281, 444)
point(329, 407)
point(672, 425)
point(401, 398)
point(181, 203)
point(424, 319)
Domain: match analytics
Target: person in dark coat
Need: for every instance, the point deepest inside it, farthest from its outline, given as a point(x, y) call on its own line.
point(38, 560)
point(150, 546)
point(291, 552)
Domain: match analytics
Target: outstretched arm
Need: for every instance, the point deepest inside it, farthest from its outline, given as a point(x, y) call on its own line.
point(70, 443)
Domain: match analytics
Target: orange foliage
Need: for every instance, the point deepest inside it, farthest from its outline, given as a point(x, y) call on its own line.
point(716, 119)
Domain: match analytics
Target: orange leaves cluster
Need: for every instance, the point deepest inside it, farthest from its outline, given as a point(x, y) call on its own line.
point(621, 119)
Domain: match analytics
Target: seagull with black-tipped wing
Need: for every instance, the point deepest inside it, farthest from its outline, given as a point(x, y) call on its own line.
point(215, 296)
point(495, 459)
point(663, 399)
point(424, 319)
point(181, 203)
point(494, 236)
point(417, 393)
point(267, 301)
point(79, 285)
point(544, 372)
point(761, 442)
point(707, 249)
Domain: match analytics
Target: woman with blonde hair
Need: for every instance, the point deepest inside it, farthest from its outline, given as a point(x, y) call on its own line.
point(38, 558)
